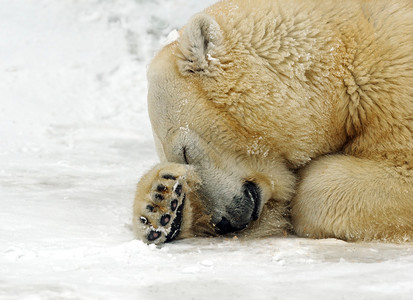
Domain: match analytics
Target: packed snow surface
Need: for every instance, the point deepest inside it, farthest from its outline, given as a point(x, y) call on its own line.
point(74, 139)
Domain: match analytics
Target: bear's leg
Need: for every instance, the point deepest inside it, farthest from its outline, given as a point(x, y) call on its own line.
point(354, 199)
point(166, 206)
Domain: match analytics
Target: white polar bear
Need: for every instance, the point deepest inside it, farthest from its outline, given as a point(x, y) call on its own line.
point(283, 116)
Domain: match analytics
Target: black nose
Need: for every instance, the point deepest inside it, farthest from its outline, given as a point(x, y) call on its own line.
point(243, 209)
point(224, 226)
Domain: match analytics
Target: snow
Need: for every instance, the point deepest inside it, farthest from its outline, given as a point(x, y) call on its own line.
point(75, 138)
point(172, 37)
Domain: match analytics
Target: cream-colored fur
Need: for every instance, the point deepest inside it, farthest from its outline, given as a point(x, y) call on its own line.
point(312, 101)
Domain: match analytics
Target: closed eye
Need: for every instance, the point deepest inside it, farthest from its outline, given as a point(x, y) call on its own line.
point(185, 156)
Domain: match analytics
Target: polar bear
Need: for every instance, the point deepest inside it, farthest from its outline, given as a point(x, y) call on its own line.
point(277, 117)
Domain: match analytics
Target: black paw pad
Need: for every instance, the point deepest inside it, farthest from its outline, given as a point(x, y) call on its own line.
point(169, 177)
point(178, 190)
point(143, 220)
point(177, 222)
point(165, 219)
point(159, 197)
point(153, 235)
point(161, 188)
point(174, 205)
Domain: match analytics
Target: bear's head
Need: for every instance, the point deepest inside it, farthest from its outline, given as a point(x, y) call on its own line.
point(199, 100)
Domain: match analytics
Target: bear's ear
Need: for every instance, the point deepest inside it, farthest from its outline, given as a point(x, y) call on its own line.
point(201, 44)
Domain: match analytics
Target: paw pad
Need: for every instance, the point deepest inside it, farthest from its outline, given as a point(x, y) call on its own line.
point(153, 235)
point(159, 197)
point(174, 205)
point(178, 190)
point(165, 220)
point(161, 188)
point(162, 217)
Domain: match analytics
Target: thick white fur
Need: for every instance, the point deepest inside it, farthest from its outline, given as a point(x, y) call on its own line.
point(311, 99)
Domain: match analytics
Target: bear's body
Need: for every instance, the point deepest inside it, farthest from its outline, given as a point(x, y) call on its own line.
point(263, 106)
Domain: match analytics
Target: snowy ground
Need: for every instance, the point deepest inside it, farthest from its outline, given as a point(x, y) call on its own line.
point(74, 139)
